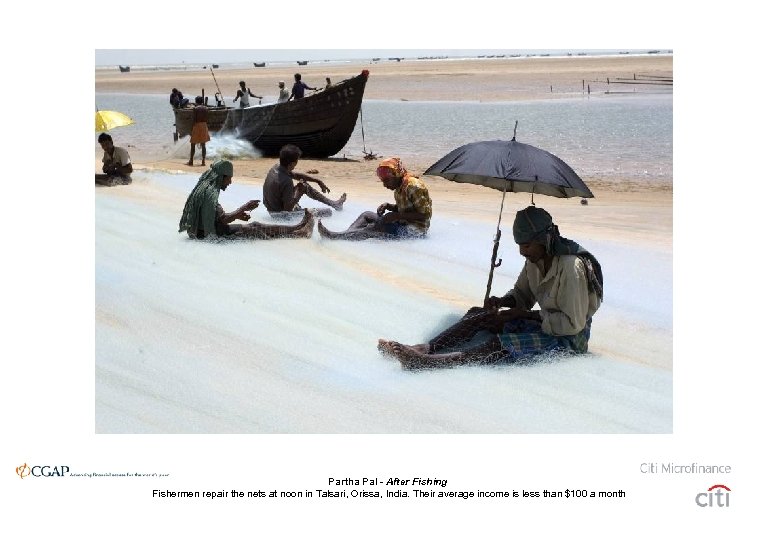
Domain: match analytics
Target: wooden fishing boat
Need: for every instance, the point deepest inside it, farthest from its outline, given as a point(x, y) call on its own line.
point(124, 69)
point(319, 124)
point(259, 64)
point(302, 62)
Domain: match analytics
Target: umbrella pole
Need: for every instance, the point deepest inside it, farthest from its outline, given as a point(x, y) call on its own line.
point(496, 241)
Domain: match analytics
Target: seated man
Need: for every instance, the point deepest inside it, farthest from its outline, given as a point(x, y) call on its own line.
point(409, 217)
point(563, 278)
point(280, 195)
point(204, 217)
point(116, 163)
point(177, 99)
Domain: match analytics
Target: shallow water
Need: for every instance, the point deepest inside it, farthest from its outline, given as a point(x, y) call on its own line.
point(621, 137)
point(280, 336)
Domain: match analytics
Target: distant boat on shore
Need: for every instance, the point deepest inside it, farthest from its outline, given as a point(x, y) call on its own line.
point(215, 66)
point(319, 124)
point(259, 64)
point(124, 69)
point(302, 62)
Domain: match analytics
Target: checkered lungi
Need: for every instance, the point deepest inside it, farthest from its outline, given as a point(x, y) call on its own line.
point(522, 338)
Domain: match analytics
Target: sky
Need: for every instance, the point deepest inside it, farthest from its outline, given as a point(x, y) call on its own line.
point(110, 57)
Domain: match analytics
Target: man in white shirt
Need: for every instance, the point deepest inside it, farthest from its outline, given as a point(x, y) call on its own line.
point(284, 93)
point(116, 163)
point(561, 277)
point(243, 94)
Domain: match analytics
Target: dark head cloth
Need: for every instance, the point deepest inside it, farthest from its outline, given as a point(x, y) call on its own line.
point(535, 225)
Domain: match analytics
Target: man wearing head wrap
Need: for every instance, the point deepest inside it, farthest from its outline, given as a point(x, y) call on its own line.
point(281, 194)
point(204, 217)
point(409, 217)
point(284, 93)
point(561, 277)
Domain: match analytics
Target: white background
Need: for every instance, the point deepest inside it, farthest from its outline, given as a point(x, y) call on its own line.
point(723, 312)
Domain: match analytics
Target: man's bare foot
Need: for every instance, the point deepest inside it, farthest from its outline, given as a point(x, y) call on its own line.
point(189, 163)
point(325, 233)
point(339, 204)
point(411, 357)
point(203, 163)
point(384, 346)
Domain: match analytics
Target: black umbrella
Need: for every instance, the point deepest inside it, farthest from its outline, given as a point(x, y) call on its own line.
point(509, 166)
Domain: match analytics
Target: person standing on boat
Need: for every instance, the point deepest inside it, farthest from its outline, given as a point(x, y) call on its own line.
point(280, 194)
point(299, 87)
point(559, 276)
point(328, 84)
point(203, 216)
point(200, 130)
point(116, 163)
point(284, 93)
point(243, 94)
point(409, 217)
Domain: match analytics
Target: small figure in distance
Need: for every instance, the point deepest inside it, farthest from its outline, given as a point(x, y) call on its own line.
point(328, 84)
point(200, 130)
point(116, 163)
point(409, 217)
point(299, 87)
point(564, 279)
point(281, 195)
point(243, 94)
point(203, 216)
point(284, 93)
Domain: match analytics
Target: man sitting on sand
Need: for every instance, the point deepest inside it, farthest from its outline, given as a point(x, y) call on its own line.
point(562, 277)
point(116, 163)
point(409, 217)
point(281, 195)
point(204, 217)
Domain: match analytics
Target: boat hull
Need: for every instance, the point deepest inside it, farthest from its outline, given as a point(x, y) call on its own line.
point(319, 124)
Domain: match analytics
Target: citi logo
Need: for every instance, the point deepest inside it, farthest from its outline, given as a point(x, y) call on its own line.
point(714, 497)
point(24, 471)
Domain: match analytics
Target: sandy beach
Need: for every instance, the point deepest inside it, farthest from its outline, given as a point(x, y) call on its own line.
point(456, 80)
point(649, 205)
point(346, 295)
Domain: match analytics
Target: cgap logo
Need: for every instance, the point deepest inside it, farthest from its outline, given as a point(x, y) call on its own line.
point(714, 497)
point(25, 470)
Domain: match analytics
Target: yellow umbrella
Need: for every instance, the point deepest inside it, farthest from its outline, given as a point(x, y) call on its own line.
point(105, 120)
